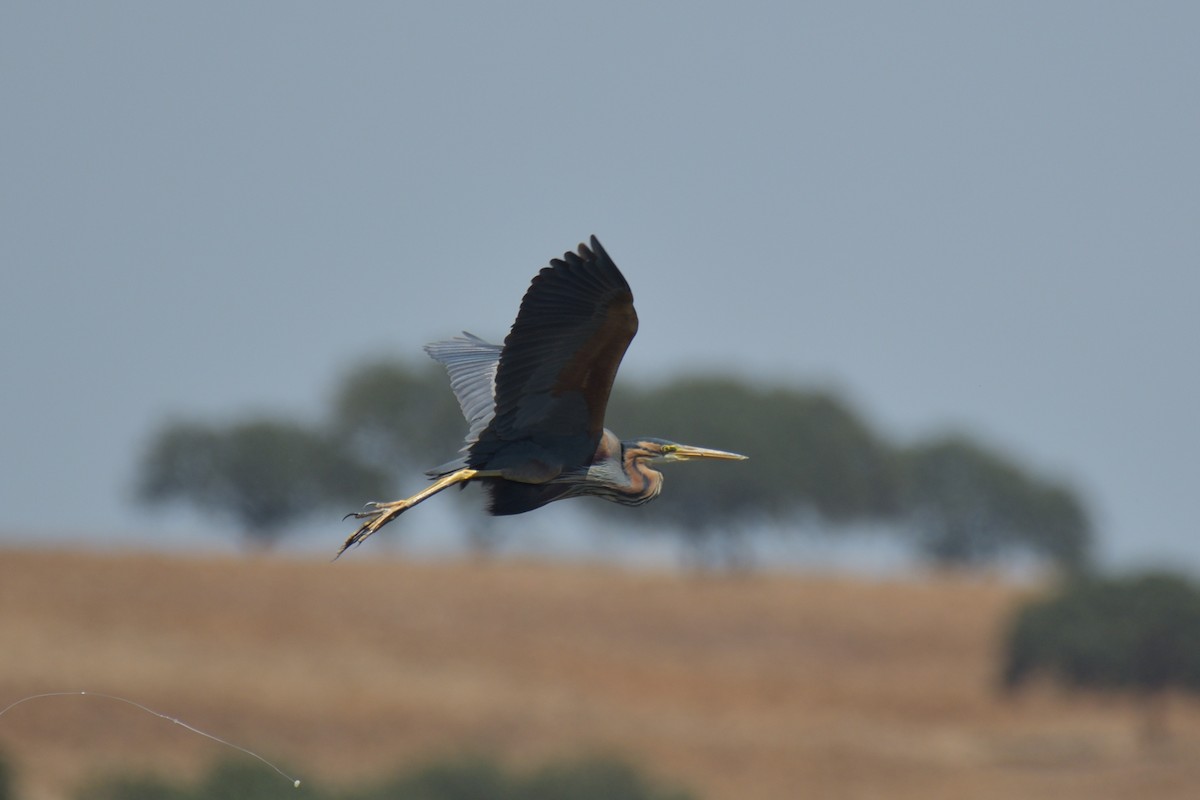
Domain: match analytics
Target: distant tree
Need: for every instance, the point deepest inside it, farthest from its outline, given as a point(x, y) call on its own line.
point(810, 455)
point(262, 474)
point(398, 417)
point(968, 505)
point(1139, 634)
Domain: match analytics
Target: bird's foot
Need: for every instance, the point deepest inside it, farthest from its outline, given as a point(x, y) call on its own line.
point(376, 515)
point(379, 514)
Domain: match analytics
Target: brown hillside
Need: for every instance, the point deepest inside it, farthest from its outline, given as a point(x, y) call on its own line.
point(740, 688)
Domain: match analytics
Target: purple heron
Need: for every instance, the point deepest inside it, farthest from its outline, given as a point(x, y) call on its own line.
point(535, 405)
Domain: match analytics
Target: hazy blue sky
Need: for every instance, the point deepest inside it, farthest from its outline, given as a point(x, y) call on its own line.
point(961, 214)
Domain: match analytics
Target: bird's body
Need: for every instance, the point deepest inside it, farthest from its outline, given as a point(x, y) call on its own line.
point(535, 406)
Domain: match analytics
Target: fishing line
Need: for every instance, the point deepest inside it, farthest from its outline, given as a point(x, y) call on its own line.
point(294, 781)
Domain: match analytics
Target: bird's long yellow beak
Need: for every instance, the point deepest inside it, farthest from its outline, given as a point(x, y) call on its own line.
point(684, 452)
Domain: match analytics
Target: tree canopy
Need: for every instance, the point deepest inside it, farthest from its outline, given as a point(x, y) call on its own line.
point(397, 417)
point(260, 473)
point(809, 453)
point(965, 504)
point(1136, 632)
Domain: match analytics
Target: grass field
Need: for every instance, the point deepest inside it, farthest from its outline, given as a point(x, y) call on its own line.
point(741, 688)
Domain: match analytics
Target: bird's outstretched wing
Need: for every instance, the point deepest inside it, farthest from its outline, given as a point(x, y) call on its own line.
point(559, 360)
point(471, 363)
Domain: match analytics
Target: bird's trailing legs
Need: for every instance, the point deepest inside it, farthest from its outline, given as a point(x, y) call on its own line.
point(379, 514)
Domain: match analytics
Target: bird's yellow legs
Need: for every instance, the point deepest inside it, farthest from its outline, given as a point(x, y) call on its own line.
point(379, 514)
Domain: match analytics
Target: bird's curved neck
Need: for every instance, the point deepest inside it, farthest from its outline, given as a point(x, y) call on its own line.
point(621, 475)
point(643, 483)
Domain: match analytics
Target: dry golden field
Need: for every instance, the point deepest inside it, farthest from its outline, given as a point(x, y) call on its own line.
point(740, 688)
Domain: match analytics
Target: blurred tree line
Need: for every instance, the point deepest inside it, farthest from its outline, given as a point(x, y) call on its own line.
point(459, 778)
point(812, 457)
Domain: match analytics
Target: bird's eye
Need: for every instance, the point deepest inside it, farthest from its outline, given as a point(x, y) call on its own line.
point(669, 448)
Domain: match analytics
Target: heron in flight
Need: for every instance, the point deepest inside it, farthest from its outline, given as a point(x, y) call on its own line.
point(535, 406)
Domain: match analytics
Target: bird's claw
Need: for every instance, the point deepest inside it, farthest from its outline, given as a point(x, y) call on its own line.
point(376, 515)
point(371, 510)
point(379, 514)
point(354, 540)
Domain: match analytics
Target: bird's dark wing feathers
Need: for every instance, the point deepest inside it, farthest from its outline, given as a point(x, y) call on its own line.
point(560, 358)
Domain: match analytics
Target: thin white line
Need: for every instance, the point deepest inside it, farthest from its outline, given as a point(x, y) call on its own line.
point(295, 781)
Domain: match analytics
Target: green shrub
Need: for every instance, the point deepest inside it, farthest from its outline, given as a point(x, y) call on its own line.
point(455, 778)
point(458, 778)
point(591, 779)
point(6, 790)
point(138, 787)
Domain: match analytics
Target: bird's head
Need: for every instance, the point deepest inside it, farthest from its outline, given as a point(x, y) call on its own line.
point(661, 451)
